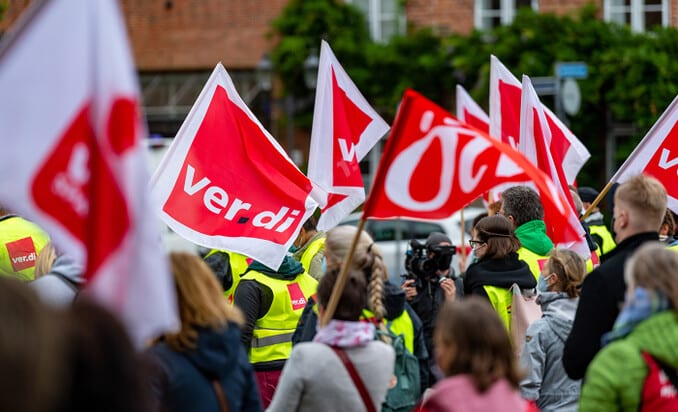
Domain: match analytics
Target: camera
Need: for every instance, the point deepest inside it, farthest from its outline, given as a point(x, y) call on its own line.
point(423, 262)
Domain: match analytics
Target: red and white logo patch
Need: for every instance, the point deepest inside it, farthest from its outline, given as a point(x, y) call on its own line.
point(21, 253)
point(296, 296)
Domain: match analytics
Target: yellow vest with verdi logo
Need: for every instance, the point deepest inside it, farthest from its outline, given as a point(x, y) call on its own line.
point(606, 236)
point(238, 264)
point(20, 242)
point(272, 334)
point(311, 251)
point(533, 260)
point(402, 325)
point(501, 299)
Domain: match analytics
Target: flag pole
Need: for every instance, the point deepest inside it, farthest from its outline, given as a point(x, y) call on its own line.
point(17, 29)
point(597, 200)
point(338, 288)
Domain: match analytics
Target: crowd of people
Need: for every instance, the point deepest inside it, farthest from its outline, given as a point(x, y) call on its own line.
point(255, 338)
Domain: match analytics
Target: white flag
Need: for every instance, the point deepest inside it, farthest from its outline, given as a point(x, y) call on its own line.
point(72, 158)
point(345, 128)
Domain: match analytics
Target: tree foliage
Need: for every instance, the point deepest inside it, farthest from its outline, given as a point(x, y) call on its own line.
point(632, 77)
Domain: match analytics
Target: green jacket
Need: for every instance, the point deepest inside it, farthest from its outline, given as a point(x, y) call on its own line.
point(614, 380)
point(532, 236)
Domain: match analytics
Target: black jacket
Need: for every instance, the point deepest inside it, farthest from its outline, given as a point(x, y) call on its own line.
point(602, 296)
point(501, 273)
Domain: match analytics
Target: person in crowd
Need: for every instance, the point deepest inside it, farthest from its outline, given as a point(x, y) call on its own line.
point(558, 295)
point(625, 374)
point(272, 302)
point(58, 278)
point(20, 243)
point(471, 257)
point(498, 266)
point(594, 260)
point(668, 228)
point(228, 266)
point(595, 220)
point(427, 289)
point(521, 205)
point(315, 376)
point(474, 352)
point(202, 365)
point(310, 248)
point(385, 301)
point(639, 206)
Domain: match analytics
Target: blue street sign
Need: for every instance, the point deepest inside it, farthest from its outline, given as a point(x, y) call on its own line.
point(575, 70)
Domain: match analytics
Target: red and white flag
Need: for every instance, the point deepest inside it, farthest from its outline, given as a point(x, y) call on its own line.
point(469, 112)
point(657, 155)
point(225, 182)
point(345, 128)
point(434, 165)
point(535, 140)
point(505, 97)
point(72, 158)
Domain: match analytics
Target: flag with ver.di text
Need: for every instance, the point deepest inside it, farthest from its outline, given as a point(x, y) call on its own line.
point(72, 158)
point(434, 165)
point(657, 155)
point(225, 182)
point(345, 128)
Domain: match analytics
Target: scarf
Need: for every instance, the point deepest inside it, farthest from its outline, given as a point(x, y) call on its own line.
point(643, 304)
point(345, 334)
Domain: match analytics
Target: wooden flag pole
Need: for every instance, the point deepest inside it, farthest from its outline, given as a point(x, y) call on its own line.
point(597, 200)
point(338, 288)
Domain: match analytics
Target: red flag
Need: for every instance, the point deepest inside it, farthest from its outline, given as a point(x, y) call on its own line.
point(433, 165)
point(225, 183)
point(469, 112)
point(72, 157)
point(505, 97)
point(535, 139)
point(657, 155)
point(345, 128)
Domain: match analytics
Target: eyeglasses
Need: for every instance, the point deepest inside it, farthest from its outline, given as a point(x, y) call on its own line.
point(475, 244)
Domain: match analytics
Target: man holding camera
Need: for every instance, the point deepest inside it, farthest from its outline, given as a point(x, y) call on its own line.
point(428, 283)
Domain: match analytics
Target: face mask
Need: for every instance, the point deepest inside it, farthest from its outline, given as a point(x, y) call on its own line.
point(323, 265)
point(542, 286)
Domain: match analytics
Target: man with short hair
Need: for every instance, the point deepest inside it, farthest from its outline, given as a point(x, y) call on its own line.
point(310, 250)
point(522, 206)
point(639, 205)
point(599, 232)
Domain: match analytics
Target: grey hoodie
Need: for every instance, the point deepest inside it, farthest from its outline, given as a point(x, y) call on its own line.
point(59, 287)
point(547, 382)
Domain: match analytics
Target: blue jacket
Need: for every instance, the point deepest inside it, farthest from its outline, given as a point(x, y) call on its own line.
point(184, 381)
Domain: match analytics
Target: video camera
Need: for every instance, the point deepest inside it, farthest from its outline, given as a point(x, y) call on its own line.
point(424, 262)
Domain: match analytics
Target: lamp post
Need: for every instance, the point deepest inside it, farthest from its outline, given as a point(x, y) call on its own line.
point(310, 80)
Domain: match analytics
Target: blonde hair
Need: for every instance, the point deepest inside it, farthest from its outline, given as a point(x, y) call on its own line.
point(645, 196)
point(653, 267)
point(366, 257)
point(200, 299)
point(570, 269)
point(45, 260)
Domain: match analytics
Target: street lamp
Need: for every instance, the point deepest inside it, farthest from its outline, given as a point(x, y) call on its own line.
point(264, 73)
point(291, 106)
point(311, 70)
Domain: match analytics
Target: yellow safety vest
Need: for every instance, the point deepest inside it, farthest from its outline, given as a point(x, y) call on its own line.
point(501, 299)
point(402, 325)
point(20, 243)
point(533, 260)
point(238, 264)
point(606, 236)
point(272, 335)
point(312, 250)
point(674, 248)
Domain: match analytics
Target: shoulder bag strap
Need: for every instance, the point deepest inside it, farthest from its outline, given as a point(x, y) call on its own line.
point(364, 394)
point(221, 396)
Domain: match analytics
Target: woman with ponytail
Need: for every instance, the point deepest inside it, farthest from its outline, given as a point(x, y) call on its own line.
point(558, 294)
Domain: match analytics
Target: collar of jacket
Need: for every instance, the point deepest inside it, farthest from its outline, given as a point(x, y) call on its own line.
point(532, 235)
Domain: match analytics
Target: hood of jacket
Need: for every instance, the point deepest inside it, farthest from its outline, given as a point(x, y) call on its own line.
point(559, 310)
point(67, 267)
point(532, 235)
point(289, 269)
point(501, 273)
point(216, 351)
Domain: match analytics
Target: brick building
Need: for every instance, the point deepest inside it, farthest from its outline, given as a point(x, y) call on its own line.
point(176, 43)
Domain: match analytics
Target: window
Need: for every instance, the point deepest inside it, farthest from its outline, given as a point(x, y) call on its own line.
point(385, 18)
point(641, 15)
point(489, 14)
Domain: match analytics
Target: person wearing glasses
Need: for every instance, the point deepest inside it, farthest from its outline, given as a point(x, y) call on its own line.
point(495, 245)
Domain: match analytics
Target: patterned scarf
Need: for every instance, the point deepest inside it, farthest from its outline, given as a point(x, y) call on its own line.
point(641, 306)
point(345, 334)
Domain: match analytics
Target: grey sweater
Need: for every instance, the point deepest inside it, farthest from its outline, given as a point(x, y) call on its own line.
point(314, 379)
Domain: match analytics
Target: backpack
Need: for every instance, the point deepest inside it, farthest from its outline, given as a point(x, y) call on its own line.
point(405, 394)
point(660, 386)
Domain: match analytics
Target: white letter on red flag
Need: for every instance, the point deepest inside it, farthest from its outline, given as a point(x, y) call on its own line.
point(72, 158)
point(225, 182)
